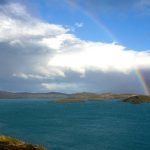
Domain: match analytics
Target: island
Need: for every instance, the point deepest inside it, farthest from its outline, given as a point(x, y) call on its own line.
point(8, 143)
point(137, 99)
point(83, 97)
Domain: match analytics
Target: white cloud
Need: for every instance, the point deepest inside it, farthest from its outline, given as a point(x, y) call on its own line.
point(14, 9)
point(58, 42)
point(101, 56)
point(27, 76)
point(31, 49)
point(69, 52)
point(40, 73)
point(25, 26)
point(59, 86)
point(79, 24)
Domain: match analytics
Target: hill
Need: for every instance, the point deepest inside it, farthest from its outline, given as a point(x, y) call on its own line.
point(81, 97)
point(12, 95)
point(137, 99)
point(77, 97)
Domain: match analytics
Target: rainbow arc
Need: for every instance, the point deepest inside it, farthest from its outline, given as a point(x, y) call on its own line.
point(112, 36)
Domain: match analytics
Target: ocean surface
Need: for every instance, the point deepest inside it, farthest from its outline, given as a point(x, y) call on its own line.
point(105, 125)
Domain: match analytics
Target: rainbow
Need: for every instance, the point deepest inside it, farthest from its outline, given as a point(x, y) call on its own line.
point(102, 26)
point(97, 21)
point(112, 36)
point(142, 81)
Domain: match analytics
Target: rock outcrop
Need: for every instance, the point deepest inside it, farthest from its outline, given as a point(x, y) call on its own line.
point(8, 143)
point(137, 99)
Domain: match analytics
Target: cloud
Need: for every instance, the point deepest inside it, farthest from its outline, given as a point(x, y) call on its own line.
point(26, 43)
point(37, 56)
point(100, 56)
point(79, 24)
point(2, 2)
point(27, 76)
point(60, 86)
point(17, 24)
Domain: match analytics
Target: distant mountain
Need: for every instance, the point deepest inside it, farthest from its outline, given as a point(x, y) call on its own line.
point(76, 97)
point(12, 95)
point(82, 95)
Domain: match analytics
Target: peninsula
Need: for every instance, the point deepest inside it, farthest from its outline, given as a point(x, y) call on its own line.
point(83, 97)
point(8, 143)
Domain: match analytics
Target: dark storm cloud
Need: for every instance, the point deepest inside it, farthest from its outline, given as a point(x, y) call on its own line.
point(3, 2)
point(97, 81)
point(16, 59)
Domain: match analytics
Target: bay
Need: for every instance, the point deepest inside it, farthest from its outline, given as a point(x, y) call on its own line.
point(104, 125)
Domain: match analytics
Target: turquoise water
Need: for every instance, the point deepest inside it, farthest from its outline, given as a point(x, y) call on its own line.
point(77, 126)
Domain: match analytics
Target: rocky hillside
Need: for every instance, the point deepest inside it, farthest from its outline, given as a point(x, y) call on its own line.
point(137, 99)
point(8, 143)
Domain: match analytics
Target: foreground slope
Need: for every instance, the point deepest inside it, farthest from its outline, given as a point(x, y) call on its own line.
point(8, 143)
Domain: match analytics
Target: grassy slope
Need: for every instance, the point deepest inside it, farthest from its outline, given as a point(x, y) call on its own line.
point(81, 97)
point(131, 98)
point(8, 143)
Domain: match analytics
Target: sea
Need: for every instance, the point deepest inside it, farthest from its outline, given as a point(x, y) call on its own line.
point(91, 125)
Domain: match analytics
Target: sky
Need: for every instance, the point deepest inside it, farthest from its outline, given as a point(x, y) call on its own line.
point(75, 46)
